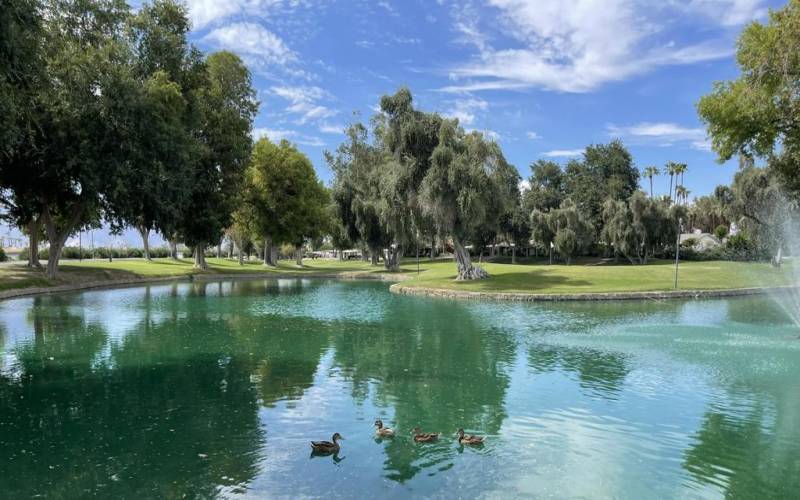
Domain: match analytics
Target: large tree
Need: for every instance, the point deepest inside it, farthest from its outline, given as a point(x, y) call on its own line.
point(161, 150)
point(606, 171)
point(467, 188)
point(289, 204)
point(756, 115)
point(227, 106)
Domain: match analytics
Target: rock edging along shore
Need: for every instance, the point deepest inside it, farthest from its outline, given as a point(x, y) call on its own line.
point(444, 293)
point(143, 280)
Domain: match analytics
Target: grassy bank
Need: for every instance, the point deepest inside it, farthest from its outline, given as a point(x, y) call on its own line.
point(593, 276)
point(14, 276)
point(587, 276)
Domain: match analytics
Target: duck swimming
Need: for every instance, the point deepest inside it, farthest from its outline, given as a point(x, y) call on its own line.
point(382, 431)
point(424, 437)
point(468, 438)
point(331, 446)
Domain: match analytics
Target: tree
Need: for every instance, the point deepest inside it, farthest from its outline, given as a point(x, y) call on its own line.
point(466, 189)
point(81, 112)
point(650, 172)
point(761, 210)
point(672, 169)
point(21, 70)
point(408, 137)
point(154, 187)
point(358, 168)
point(226, 107)
point(546, 186)
point(573, 232)
point(606, 171)
point(517, 228)
point(681, 194)
point(288, 202)
point(756, 114)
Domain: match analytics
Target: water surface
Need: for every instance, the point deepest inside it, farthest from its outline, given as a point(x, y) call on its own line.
point(215, 389)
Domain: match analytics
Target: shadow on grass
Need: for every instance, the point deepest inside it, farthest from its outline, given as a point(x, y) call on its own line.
point(529, 281)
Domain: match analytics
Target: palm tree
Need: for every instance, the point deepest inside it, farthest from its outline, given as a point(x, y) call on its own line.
point(681, 193)
point(649, 172)
point(680, 169)
point(671, 168)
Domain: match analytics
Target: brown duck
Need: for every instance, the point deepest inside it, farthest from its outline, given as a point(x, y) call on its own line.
point(331, 446)
point(424, 437)
point(468, 438)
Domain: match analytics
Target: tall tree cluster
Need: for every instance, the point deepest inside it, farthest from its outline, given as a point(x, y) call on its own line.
point(415, 175)
point(121, 119)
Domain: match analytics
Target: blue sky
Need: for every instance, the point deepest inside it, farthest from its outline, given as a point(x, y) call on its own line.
point(543, 77)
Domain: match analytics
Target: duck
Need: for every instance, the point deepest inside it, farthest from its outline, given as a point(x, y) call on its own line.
point(424, 437)
point(331, 446)
point(382, 431)
point(468, 438)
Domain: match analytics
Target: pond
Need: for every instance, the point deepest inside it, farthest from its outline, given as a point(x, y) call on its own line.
point(215, 390)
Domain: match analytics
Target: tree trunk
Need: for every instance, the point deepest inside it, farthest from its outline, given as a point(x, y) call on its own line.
point(433, 247)
point(298, 256)
point(670, 187)
point(651, 186)
point(200, 257)
point(391, 258)
point(778, 259)
point(373, 256)
point(270, 257)
point(34, 227)
point(173, 248)
point(58, 238)
point(514, 254)
point(145, 234)
point(219, 249)
point(241, 252)
point(466, 271)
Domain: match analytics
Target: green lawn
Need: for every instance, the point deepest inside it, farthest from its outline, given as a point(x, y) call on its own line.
point(591, 276)
point(13, 276)
point(584, 276)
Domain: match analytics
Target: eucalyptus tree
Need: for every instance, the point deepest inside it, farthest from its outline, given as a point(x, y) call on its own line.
point(408, 137)
point(150, 193)
point(755, 115)
point(288, 202)
point(466, 189)
point(226, 106)
point(547, 186)
point(358, 168)
point(651, 172)
point(605, 171)
point(81, 114)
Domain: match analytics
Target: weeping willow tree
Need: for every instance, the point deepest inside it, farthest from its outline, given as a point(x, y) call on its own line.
point(468, 187)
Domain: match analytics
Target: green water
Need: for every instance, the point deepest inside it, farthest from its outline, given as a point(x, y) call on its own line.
point(215, 389)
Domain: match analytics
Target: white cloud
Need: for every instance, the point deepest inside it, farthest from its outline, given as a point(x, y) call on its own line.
point(253, 42)
point(524, 185)
point(277, 135)
point(207, 12)
point(562, 153)
point(304, 103)
point(579, 47)
point(327, 128)
point(533, 135)
point(465, 110)
point(662, 133)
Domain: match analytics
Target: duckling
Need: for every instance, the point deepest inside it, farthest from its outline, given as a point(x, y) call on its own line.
point(331, 446)
point(382, 431)
point(424, 437)
point(468, 438)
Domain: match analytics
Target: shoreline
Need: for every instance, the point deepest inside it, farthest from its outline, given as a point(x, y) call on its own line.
point(443, 293)
point(134, 281)
point(399, 288)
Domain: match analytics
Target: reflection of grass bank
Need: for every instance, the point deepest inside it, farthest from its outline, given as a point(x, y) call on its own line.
point(586, 276)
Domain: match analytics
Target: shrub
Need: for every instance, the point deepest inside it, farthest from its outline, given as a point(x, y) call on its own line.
point(689, 243)
point(721, 231)
point(3, 256)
